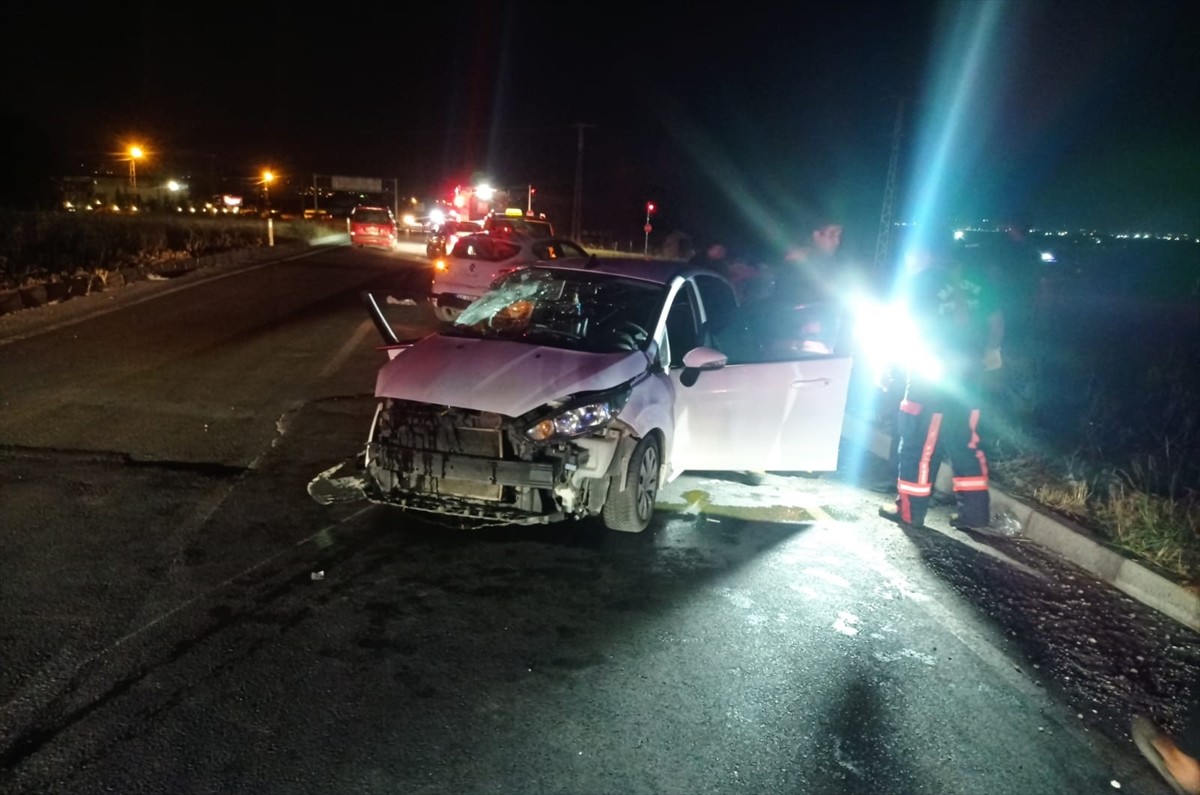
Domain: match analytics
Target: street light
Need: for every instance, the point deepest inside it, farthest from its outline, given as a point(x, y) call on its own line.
point(267, 177)
point(135, 152)
point(647, 228)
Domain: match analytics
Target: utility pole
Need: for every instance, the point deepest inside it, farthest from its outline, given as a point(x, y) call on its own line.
point(884, 241)
point(575, 212)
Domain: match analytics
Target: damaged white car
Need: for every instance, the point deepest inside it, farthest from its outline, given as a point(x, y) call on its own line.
point(570, 392)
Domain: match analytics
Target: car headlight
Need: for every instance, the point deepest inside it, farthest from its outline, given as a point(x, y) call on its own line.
point(578, 417)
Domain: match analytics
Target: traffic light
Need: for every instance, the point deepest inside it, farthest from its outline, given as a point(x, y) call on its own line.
point(649, 207)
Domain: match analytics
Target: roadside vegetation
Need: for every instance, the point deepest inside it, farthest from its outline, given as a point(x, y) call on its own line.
point(38, 247)
point(1077, 430)
point(1125, 463)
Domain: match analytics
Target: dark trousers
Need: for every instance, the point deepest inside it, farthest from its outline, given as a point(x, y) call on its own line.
point(930, 425)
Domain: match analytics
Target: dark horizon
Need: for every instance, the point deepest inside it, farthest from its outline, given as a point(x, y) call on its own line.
point(1057, 113)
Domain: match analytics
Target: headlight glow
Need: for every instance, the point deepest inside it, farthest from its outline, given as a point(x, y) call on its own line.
point(887, 337)
point(572, 422)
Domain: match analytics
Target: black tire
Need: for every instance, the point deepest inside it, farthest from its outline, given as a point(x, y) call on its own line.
point(630, 511)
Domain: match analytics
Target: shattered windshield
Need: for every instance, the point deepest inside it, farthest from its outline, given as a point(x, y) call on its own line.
point(577, 310)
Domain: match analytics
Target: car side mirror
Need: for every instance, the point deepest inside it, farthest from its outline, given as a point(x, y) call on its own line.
point(699, 359)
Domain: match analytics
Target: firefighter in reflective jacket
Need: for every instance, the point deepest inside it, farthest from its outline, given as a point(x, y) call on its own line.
point(959, 329)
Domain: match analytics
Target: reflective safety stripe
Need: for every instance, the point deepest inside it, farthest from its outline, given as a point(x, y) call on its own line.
point(935, 425)
point(914, 489)
point(977, 483)
point(910, 407)
point(973, 422)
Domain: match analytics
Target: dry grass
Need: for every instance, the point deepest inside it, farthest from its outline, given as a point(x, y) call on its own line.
point(1118, 506)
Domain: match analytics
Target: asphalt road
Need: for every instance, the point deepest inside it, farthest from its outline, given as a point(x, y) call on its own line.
point(179, 616)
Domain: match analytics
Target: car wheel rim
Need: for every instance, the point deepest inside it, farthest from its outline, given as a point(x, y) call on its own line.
point(647, 482)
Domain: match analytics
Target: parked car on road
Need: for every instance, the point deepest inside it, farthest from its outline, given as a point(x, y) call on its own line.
point(443, 236)
point(478, 260)
point(373, 226)
point(570, 391)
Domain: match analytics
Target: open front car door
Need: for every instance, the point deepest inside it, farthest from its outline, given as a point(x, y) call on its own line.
point(782, 415)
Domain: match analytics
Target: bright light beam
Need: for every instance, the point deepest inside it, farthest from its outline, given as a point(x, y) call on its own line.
point(956, 93)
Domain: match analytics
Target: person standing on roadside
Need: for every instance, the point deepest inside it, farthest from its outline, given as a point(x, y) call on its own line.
point(805, 310)
point(959, 330)
point(811, 269)
point(802, 313)
point(730, 263)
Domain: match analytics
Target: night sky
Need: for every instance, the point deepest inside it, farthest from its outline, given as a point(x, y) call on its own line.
point(736, 119)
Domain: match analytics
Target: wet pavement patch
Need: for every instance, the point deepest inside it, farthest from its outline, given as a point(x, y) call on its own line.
point(698, 501)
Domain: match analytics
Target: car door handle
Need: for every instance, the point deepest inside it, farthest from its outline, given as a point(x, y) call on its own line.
point(811, 383)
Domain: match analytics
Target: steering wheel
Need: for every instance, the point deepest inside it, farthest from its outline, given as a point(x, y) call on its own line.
point(636, 332)
point(628, 335)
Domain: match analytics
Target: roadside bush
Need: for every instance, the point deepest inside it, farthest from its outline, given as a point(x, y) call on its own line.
point(1128, 467)
point(44, 244)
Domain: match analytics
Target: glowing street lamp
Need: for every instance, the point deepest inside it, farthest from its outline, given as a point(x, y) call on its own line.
point(646, 244)
point(267, 177)
point(135, 152)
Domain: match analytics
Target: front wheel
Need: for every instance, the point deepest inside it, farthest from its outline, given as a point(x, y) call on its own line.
point(629, 511)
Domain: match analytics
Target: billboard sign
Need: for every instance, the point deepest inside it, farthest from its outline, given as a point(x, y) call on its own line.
point(357, 184)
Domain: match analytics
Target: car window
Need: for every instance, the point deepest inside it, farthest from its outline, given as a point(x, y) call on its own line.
point(682, 326)
point(719, 301)
point(538, 229)
point(486, 248)
point(372, 216)
point(555, 249)
point(504, 249)
point(473, 247)
point(584, 311)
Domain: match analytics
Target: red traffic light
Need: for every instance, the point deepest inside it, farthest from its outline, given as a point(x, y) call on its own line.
point(649, 207)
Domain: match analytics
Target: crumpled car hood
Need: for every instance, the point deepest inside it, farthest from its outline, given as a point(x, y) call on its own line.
point(499, 376)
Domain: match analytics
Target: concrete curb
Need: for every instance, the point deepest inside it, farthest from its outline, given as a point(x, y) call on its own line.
point(1069, 541)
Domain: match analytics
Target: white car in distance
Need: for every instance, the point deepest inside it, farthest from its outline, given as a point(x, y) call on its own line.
point(477, 260)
